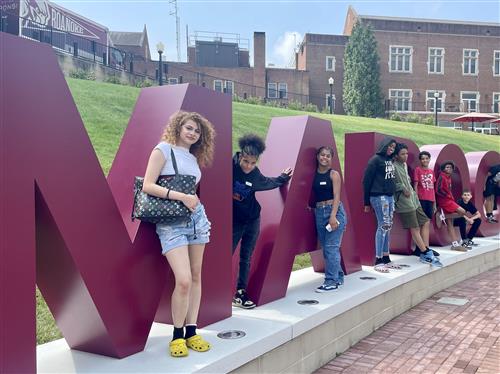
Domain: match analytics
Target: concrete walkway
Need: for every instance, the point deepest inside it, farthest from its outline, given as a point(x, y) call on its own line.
point(434, 337)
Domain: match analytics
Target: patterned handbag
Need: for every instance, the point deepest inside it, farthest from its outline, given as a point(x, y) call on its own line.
point(153, 209)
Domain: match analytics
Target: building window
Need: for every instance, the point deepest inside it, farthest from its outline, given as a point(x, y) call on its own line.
point(283, 90)
point(436, 61)
point(469, 101)
point(218, 85)
point(496, 102)
point(431, 100)
point(229, 87)
point(470, 66)
point(400, 59)
point(330, 63)
point(496, 63)
point(400, 99)
point(272, 90)
point(327, 102)
point(172, 81)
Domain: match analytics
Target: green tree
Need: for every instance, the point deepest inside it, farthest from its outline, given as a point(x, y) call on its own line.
point(362, 95)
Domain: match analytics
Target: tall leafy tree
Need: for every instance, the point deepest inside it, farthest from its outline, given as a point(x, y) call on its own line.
point(362, 95)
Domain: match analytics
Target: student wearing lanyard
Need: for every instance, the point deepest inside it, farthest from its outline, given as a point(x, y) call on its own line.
point(330, 218)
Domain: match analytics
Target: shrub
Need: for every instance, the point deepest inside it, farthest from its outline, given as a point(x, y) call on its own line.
point(144, 83)
point(82, 74)
point(311, 108)
point(254, 100)
point(428, 120)
point(113, 79)
point(294, 105)
point(413, 118)
point(395, 117)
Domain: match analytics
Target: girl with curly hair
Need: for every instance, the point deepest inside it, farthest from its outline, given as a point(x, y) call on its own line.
point(247, 179)
point(191, 138)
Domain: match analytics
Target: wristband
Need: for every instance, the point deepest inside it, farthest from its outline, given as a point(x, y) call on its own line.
point(168, 193)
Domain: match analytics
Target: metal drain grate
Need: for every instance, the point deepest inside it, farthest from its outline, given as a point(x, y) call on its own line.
point(452, 301)
point(368, 278)
point(308, 302)
point(231, 334)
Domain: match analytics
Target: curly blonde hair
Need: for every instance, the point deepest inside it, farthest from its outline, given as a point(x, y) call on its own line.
point(203, 149)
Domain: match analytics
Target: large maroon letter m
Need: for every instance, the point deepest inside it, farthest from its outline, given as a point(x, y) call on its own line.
point(67, 229)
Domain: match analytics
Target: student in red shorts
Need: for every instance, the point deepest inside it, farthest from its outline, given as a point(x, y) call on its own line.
point(446, 202)
point(423, 183)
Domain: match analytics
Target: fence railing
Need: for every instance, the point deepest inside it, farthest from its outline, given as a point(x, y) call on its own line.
point(406, 105)
point(75, 45)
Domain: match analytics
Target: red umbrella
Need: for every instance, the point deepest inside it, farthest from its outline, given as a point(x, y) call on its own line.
point(474, 117)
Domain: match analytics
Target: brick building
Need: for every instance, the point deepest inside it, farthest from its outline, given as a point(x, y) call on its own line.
point(222, 63)
point(418, 57)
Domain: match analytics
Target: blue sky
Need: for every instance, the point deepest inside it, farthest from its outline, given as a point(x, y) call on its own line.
point(283, 21)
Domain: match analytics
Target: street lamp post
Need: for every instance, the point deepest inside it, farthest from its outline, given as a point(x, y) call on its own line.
point(436, 97)
point(330, 82)
point(160, 48)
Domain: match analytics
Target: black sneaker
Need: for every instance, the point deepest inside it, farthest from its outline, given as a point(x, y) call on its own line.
point(467, 243)
point(327, 287)
point(491, 219)
point(241, 300)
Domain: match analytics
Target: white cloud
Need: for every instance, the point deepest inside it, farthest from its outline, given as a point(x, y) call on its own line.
point(283, 50)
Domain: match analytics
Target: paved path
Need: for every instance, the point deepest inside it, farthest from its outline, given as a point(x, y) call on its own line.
point(434, 337)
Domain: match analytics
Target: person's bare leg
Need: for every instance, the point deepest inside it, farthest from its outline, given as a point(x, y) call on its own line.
point(451, 229)
point(417, 238)
point(196, 260)
point(424, 233)
point(488, 204)
point(178, 259)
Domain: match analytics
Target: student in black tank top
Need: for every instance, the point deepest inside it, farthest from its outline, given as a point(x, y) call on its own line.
point(330, 218)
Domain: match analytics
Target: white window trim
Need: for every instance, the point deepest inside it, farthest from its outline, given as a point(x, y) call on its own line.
point(411, 59)
point(333, 63)
point(285, 96)
point(429, 61)
point(326, 101)
point(171, 81)
point(410, 98)
point(225, 86)
point(493, 102)
point(477, 62)
point(443, 99)
point(477, 100)
point(275, 90)
point(221, 85)
point(493, 67)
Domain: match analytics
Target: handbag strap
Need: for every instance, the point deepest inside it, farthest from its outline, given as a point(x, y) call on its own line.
point(174, 162)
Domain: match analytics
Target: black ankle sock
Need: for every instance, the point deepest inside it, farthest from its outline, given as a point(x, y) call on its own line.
point(190, 331)
point(386, 259)
point(178, 333)
point(378, 261)
point(489, 214)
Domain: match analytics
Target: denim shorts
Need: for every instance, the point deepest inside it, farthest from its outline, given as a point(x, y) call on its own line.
point(194, 231)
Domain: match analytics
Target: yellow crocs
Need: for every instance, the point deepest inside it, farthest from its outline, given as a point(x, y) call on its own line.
point(197, 343)
point(178, 348)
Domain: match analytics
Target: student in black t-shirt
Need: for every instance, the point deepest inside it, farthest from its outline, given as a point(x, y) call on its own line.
point(473, 218)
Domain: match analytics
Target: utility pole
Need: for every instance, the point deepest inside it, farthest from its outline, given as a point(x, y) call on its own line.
point(173, 12)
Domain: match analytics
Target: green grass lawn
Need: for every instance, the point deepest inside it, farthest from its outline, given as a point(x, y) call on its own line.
point(106, 108)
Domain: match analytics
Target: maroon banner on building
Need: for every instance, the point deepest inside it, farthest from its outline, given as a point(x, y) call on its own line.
point(9, 16)
point(37, 14)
